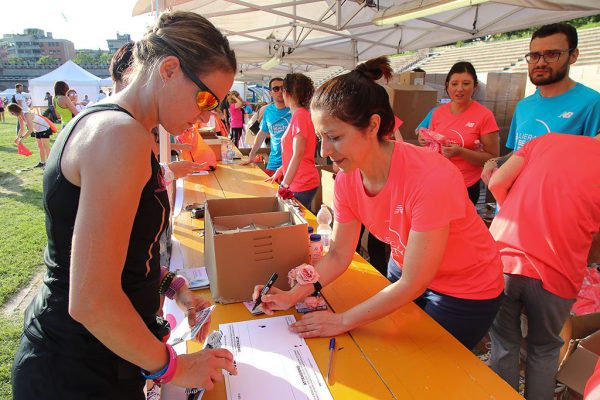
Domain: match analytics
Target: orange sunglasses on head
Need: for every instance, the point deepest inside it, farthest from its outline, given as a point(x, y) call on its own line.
point(205, 98)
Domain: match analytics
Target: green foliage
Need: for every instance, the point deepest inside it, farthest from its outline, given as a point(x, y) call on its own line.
point(22, 237)
point(96, 57)
point(578, 23)
point(47, 60)
point(105, 58)
point(15, 60)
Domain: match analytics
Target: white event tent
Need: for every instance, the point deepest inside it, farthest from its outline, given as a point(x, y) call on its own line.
point(304, 35)
point(76, 77)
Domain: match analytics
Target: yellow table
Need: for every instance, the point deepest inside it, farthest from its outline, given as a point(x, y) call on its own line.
point(405, 355)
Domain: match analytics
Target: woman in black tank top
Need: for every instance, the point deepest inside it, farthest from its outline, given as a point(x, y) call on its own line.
point(87, 332)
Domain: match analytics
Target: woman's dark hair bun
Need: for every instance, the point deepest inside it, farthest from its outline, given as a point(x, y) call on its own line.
point(375, 69)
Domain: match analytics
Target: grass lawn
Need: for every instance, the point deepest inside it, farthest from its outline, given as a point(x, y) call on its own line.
point(22, 237)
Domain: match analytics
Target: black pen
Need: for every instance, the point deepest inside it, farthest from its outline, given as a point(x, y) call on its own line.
point(265, 289)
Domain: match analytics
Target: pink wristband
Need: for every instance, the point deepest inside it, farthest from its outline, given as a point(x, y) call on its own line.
point(170, 372)
point(176, 284)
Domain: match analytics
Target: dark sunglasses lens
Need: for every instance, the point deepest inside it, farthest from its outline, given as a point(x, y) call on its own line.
point(276, 88)
point(206, 101)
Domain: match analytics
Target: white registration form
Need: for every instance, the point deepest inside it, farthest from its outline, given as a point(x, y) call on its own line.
point(272, 362)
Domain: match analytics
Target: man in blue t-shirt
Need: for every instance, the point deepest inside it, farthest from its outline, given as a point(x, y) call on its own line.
point(559, 104)
point(276, 119)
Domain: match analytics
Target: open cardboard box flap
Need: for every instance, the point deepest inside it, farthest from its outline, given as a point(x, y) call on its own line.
point(579, 366)
point(252, 205)
point(270, 219)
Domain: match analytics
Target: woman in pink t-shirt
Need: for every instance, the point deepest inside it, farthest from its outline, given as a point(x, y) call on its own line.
point(469, 129)
point(236, 116)
point(408, 197)
point(547, 231)
point(298, 172)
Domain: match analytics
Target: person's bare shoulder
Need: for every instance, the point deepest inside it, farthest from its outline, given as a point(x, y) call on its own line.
point(110, 142)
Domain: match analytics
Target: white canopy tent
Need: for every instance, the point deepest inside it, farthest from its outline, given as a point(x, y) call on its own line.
point(314, 34)
point(76, 77)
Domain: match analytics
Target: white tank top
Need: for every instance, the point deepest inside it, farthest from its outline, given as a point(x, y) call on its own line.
point(39, 124)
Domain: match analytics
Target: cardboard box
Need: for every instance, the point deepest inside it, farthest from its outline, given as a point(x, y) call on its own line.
point(411, 104)
point(324, 193)
point(411, 78)
point(580, 362)
point(215, 146)
point(236, 262)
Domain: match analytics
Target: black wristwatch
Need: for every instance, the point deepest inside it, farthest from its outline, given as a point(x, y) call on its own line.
point(318, 288)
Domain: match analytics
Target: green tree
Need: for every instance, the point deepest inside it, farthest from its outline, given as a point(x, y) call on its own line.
point(105, 58)
point(47, 60)
point(84, 58)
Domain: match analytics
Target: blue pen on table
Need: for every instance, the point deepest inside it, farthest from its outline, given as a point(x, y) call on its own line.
point(265, 289)
point(331, 350)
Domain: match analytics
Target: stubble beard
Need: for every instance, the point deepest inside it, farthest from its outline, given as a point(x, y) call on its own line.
point(554, 77)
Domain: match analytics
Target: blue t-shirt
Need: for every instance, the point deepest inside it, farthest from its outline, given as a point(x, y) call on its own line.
point(275, 121)
point(427, 120)
point(576, 112)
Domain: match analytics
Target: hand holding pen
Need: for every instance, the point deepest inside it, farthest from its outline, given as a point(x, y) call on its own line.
point(275, 299)
point(264, 290)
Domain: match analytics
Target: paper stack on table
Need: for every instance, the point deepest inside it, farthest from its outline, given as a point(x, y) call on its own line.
point(272, 362)
point(197, 277)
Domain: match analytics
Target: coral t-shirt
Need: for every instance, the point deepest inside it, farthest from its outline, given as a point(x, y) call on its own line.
point(307, 176)
point(544, 228)
point(424, 192)
point(464, 129)
point(592, 387)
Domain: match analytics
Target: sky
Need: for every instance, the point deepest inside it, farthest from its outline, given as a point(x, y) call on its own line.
point(86, 23)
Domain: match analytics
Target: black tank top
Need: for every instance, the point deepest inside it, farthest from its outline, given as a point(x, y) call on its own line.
point(47, 320)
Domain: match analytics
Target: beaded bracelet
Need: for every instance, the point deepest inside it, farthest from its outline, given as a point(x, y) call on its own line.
point(176, 283)
point(167, 372)
point(166, 282)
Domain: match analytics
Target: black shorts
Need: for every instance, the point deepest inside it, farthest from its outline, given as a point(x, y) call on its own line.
point(43, 134)
point(42, 374)
point(1, 109)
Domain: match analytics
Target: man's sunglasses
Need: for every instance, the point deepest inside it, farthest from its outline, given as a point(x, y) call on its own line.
point(277, 88)
point(205, 98)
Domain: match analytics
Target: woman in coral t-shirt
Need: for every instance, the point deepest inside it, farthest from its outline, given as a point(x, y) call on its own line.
point(298, 172)
point(470, 130)
point(408, 197)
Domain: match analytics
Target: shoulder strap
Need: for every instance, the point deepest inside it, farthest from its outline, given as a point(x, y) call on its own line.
point(87, 111)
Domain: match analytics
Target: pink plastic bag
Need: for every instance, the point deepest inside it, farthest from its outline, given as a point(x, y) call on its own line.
point(436, 140)
point(21, 149)
point(588, 299)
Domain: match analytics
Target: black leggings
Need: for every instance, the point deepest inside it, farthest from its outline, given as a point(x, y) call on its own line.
point(474, 190)
point(378, 254)
point(236, 134)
